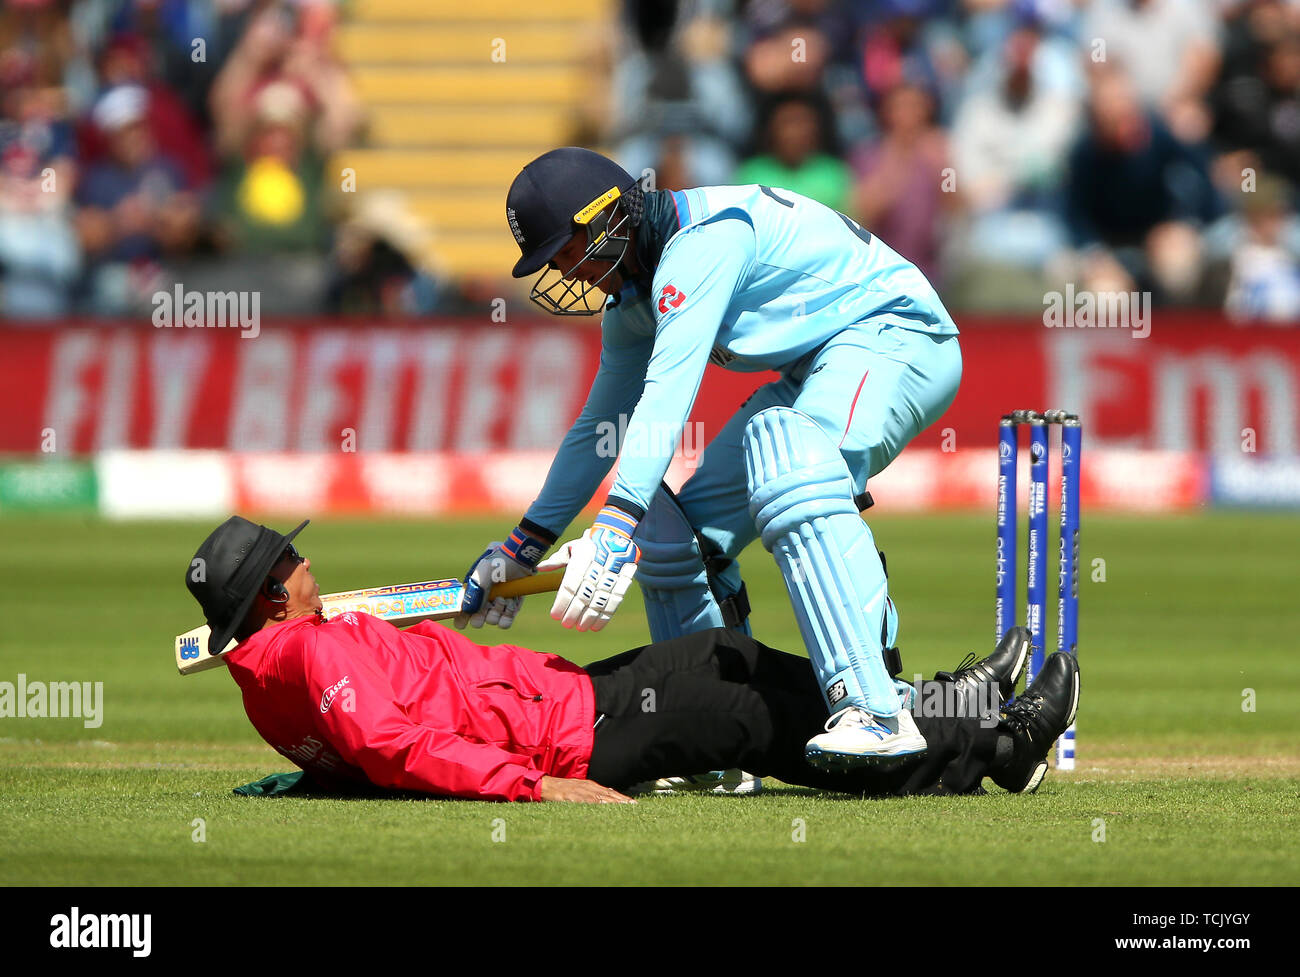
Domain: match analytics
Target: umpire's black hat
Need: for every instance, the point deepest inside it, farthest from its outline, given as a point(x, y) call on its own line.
point(228, 570)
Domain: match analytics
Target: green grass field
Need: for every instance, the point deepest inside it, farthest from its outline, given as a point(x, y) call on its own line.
point(1184, 785)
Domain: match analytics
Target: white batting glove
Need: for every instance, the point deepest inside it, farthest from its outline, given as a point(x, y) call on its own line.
point(510, 560)
point(557, 560)
point(600, 568)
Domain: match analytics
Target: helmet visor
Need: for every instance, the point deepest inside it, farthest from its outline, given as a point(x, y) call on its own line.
point(558, 290)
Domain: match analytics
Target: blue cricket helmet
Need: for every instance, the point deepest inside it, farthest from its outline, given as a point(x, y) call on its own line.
point(557, 195)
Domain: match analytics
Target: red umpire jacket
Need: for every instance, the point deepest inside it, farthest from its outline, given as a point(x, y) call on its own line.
point(355, 699)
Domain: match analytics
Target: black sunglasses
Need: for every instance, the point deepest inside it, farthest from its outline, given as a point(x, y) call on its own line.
point(273, 589)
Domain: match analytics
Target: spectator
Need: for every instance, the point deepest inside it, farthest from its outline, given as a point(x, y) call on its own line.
point(380, 263)
point(900, 48)
point(677, 93)
point(126, 60)
point(1136, 196)
point(900, 179)
point(39, 254)
point(1261, 245)
point(187, 41)
point(281, 47)
point(1170, 50)
point(986, 24)
point(1257, 102)
point(796, 137)
point(1055, 65)
point(271, 198)
point(132, 206)
point(793, 41)
point(38, 30)
point(1249, 28)
point(281, 105)
point(1009, 145)
point(810, 47)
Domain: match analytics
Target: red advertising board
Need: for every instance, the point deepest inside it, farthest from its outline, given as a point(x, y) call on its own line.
point(1195, 383)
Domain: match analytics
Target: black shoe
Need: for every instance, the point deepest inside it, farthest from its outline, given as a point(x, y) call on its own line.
point(1004, 667)
point(1035, 720)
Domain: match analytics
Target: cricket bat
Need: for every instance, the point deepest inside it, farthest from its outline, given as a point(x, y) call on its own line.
point(399, 604)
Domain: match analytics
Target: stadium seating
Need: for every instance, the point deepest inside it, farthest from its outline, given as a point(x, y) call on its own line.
point(458, 98)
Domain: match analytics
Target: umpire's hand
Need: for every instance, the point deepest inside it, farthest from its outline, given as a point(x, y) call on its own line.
point(581, 792)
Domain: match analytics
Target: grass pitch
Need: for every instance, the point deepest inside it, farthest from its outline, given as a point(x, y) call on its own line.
point(1189, 727)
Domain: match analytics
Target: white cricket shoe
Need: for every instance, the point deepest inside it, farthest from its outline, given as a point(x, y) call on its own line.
point(854, 737)
point(714, 782)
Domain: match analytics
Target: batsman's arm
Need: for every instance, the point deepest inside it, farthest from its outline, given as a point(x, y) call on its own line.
point(592, 443)
point(698, 277)
point(581, 464)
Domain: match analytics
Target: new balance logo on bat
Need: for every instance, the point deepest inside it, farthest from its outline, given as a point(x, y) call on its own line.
point(190, 649)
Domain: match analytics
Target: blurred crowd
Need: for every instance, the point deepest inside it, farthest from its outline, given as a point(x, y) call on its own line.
point(1005, 146)
point(149, 141)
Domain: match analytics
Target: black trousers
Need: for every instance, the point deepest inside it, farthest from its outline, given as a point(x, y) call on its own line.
point(718, 699)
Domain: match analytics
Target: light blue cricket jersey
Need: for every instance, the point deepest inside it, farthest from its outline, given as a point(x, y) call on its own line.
point(754, 279)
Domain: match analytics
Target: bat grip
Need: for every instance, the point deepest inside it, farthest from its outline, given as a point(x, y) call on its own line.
point(536, 583)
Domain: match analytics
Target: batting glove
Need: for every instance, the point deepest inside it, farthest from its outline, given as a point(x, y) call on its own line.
point(600, 568)
point(516, 557)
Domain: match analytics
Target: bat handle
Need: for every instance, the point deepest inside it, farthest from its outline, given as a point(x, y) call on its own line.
point(536, 583)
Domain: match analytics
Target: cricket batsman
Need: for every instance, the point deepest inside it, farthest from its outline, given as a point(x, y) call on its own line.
point(751, 278)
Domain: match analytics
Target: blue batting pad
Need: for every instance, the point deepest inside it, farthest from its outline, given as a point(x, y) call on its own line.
point(674, 582)
point(801, 498)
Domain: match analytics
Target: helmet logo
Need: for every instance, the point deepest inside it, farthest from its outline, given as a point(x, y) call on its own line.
point(669, 299)
point(514, 226)
point(585, 215)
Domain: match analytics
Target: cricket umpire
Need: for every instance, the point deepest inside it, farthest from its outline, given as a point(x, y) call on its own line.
point(355, 700)
point(751, 278)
